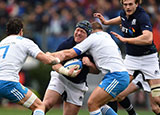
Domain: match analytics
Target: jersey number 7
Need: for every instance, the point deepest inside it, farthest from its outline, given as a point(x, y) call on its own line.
point(3, 51)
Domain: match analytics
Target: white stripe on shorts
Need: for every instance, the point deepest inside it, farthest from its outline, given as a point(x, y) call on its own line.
point(16, 93)
point(112, 86)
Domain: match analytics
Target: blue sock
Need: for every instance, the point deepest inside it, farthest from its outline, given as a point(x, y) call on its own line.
point(96, 112)
point(38, 112)
point(106, 110)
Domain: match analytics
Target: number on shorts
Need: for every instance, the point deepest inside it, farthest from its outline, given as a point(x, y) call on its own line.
point(3, 51)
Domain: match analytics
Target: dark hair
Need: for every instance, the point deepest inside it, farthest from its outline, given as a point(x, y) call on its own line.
point(14, 26)
point(86, 25)
point(96, 25)
point(136, 1)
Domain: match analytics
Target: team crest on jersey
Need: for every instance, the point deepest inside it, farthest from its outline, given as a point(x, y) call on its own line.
point(133, 22)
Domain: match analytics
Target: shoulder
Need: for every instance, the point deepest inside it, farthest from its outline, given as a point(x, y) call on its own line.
point(141, 14)
point(68, 43)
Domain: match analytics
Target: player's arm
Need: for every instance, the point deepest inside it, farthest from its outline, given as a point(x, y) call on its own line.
point(68, 72)
point(113, 21)
point(92, 67)
point(45, 58)
point(145, 39)
point(65, 55)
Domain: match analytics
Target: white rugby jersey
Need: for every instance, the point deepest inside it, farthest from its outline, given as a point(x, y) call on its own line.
point(104, 51)
point(13, 53)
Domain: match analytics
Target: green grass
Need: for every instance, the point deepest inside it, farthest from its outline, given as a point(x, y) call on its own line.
point(22, 111)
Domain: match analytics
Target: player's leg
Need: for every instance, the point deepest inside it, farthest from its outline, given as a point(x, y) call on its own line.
point(54, 91)
point(17, 93)
point(51, 97)
point(155, 95)
point(152, 74)
point(109, 88)
point(113, 105)
point(70, 109)
point(73, 97)
point(155, 107)
point(32, 102)
point(97, 99)
point(124, 100)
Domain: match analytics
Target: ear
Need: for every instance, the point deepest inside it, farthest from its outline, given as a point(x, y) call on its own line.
point(21, 32)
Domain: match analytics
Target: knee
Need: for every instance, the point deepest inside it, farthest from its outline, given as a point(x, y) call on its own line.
point(90, 103)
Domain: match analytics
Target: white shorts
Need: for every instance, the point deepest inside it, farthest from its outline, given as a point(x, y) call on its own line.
point(145, 85)
point(148, 65)
point(75, 92)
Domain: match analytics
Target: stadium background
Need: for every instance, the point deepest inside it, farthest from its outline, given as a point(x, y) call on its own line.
point(49, 22)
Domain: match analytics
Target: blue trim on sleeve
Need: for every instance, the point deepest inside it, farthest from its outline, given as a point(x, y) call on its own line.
point(77, 51)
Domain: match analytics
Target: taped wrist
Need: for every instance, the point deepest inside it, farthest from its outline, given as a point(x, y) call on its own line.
point(63, 71)
point(155, 90)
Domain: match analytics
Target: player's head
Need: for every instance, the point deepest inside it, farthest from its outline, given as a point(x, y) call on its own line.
point(14, 26)
point(96, 26)
point(130, 6)
point(83, 29)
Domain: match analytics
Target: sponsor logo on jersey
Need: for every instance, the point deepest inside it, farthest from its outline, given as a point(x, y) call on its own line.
point(133, 22)
point(129, 31)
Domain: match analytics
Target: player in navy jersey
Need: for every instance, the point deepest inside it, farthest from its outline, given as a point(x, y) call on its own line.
point(108, 60)
point(72, 89)
point(14, 50)
point(141, 54)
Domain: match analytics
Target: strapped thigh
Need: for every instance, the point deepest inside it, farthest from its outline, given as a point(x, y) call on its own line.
point(30, 101)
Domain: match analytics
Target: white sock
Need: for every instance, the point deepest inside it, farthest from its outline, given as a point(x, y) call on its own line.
point(96, 112)
point(38, 112)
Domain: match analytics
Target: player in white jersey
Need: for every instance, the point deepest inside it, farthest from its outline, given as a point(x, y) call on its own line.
point(107, 58)
point(14, 50)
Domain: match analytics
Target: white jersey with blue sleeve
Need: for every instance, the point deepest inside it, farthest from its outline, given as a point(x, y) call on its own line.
point(104, 51)
point(13, 53)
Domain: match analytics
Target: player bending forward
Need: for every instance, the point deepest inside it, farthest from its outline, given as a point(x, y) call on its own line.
point(108, 60)
point(14, 50)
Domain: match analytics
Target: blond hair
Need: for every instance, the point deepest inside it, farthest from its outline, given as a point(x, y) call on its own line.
point(136, 1)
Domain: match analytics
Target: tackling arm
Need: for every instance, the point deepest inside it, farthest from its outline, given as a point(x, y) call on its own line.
point(46, 59)
point(64, 55)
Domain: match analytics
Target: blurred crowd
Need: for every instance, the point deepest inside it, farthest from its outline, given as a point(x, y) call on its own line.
point(49, 22)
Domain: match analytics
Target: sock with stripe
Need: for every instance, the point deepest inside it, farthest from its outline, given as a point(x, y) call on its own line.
point(96, 112)
point(107, 110)
point(126, 104)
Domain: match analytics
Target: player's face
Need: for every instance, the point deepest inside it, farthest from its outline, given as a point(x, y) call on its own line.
point(79, 35)
point(129, 6)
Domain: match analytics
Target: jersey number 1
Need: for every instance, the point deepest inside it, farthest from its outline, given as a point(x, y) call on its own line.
point(3, 51)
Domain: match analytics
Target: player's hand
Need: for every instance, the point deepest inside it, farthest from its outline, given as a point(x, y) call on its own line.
point(99, 15)
point(122, 39)
point(86, 61)
point(73, 72)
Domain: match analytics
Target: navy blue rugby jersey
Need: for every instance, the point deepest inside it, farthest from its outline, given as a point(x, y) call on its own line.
point(133, 27)
point(82, 76)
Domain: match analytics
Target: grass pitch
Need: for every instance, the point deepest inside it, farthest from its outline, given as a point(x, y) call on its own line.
point(22, 111)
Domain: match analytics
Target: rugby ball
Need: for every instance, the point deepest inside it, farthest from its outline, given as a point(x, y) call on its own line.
point(73, 63)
